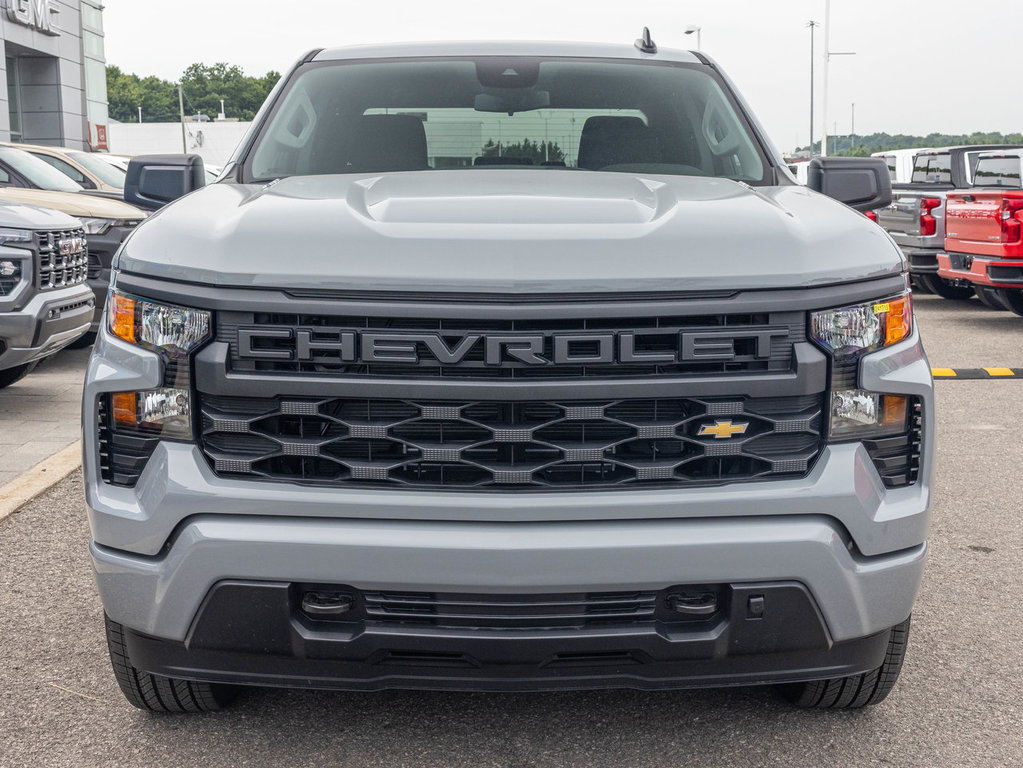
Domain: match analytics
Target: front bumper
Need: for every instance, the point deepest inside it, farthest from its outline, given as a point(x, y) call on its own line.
point(162, 548)
point(760, 633)
point(44, 325)
point(981, 270)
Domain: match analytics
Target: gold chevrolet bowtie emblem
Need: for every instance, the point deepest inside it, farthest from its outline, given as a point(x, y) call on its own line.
point(723, 429)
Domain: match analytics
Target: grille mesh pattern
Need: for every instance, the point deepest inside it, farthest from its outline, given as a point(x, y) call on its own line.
point(511, 611)
point(406, 443)
point(56, 270)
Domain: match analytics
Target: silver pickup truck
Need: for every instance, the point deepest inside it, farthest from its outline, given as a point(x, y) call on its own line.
point(915, 218)
point(517, 366)
point(44, 301)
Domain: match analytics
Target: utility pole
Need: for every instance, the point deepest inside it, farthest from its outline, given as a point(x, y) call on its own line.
point(181, 109)
point(140, 114)
point(828, 53)
point(812, 25)
point(852, 129)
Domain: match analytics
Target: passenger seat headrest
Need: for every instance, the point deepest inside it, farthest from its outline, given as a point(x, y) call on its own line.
point(380, 143)
point(609, 140)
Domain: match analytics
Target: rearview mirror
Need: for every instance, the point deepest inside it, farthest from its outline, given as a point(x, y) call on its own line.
point(512, 100)
point(153, 181)
point(862, 183)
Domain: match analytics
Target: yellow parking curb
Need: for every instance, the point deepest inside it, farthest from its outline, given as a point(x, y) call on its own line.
point(977, 373)
point(39, 478)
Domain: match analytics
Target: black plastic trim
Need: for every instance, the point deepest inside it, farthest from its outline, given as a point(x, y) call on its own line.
point(923, 261)
point(533, 306)
point(213, 377)
point(779, 638)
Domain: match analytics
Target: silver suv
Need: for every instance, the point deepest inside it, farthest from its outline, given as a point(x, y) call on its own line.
point(44, 301)
point(516, 366)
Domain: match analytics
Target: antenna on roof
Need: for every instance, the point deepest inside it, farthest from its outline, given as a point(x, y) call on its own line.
point(645, 43)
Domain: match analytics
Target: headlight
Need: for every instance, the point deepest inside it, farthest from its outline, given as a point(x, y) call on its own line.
point(163, 412)
point(101, 226)
point(857, 414)
point(848, 333)
point(166, 328)
point(174, 332)
point(14, 236)
point(853, 331)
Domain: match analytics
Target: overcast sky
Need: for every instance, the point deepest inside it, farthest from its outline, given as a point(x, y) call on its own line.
point(920, 67)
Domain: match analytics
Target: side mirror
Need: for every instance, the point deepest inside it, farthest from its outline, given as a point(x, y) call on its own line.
point(862, 183)
point(153, 181)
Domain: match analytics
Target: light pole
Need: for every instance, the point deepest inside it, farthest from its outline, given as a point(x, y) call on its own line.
point(812, 25)
point(828, 53)
point(852, 129)
point(698, 30)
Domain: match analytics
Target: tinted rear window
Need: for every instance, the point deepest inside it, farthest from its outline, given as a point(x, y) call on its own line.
point(892, 167)
point(516, 112)
point(932, 169)
point(998, 172)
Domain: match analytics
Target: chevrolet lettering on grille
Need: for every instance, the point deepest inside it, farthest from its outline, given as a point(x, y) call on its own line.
point(334, 345)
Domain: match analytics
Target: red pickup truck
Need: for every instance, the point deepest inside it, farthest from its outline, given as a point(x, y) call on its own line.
point(984, 229)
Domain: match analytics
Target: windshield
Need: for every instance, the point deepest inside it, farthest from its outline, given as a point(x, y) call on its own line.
point(37, 172)
point(523, 113)
point(101, 169)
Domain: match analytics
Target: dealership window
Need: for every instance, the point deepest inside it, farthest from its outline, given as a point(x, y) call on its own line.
point(93, 44)
point(92, 17)
point(14, 98)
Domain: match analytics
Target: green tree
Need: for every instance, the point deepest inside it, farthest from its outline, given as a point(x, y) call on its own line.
point(537, 151)
point(883, 142)
point(203, 87)
point(127, 92)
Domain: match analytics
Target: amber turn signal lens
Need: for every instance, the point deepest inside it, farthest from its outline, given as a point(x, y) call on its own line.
point(898, 319)
point(122, 317)
point(893, 411)
point(125, 408)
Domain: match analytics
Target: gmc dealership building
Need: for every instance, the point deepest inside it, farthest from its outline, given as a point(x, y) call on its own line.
point(56, 73)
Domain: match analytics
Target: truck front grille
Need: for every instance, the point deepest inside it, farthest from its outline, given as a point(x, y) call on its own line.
point(61, 259)
point(582, 347)
point(486, 444)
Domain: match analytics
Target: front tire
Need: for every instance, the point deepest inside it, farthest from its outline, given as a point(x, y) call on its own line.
point(156, 693)
point(855, 691)
point(10, 375)
point(946, 288)
point(1013, 298)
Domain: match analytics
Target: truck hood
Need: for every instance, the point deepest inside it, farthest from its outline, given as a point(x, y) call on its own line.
point(509, 231)
point(71, 203)
point(19, 216)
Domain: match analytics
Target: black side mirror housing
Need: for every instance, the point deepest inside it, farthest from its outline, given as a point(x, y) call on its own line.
point(862, 183)
point(155, 180)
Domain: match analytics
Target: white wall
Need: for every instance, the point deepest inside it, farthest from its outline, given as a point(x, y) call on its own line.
point(213, 142)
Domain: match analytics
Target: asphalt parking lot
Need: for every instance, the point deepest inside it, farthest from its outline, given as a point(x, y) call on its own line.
point(958, 702)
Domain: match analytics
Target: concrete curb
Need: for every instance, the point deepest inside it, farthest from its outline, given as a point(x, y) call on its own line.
point(39, 479)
